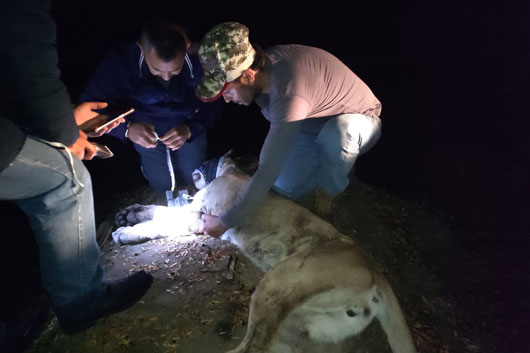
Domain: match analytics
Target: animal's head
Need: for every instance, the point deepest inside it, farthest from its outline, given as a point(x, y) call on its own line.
point(229, 163)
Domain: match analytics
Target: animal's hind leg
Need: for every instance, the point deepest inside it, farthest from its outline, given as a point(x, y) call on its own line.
point(293, 282)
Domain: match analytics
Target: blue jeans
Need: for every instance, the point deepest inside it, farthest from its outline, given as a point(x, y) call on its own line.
point(184, 160)
point(323, 156)
point(61, 212)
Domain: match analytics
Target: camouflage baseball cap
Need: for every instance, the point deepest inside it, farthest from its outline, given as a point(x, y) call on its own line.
point(225, 52)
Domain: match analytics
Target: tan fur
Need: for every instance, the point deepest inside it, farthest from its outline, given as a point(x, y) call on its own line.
point(315, 277)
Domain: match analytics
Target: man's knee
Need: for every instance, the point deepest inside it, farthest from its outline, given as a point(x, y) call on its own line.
point(349, 134)
point(157, 178)
point(158, 183)
point(294, 188)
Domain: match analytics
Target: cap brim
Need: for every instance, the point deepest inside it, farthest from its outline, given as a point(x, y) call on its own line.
point(211, 86)
point(216, 97)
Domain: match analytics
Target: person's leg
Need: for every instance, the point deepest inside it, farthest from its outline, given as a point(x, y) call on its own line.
point(298, 175)
point(155, 167)
point(55, 192)
point(61, 214)
point(188, 158)
point(342, 139)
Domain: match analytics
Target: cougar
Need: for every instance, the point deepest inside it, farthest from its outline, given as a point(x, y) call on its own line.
point(319, 285)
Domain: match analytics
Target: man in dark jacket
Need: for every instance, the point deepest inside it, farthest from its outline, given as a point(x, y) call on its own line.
point(41, 148)
point(157, 77)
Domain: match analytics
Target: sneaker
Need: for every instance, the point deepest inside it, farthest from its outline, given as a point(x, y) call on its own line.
point(120, 295)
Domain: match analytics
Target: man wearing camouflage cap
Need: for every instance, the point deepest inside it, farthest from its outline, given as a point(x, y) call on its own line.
point(322, 117)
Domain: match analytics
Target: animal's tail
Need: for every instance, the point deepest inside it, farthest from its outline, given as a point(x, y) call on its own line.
point(393, 323)
point(245, 344)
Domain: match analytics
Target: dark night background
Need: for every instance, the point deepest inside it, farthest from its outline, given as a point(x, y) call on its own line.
point(452, 77)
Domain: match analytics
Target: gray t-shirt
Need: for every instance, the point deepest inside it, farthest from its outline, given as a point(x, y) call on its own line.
point(305, 83)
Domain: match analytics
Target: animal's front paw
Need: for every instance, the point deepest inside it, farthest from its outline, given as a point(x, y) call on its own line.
point(133, 235)
point(117, 234)
point(134, 214)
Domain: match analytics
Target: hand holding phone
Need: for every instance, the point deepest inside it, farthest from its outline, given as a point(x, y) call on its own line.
point(95, 126)
point(102, 151)
point(99, 128)
point(87, 111)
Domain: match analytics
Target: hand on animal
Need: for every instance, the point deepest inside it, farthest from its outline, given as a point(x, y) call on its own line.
point(143, 134)
point(176, 136)
point(212, 226)
point(82, 148)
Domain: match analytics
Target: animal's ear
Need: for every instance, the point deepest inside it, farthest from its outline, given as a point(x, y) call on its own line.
point(229, 154)
point(226, 165)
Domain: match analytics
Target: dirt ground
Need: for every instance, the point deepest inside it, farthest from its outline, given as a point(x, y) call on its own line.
point(199, 300)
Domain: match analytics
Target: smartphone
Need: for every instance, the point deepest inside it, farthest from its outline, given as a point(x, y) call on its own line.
point(102, 151)
point(113, 120)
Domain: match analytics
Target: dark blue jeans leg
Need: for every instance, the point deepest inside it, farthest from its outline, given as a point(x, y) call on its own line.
point(154, 166)
point(184, 161)
point(299, 173)
point(188, 158)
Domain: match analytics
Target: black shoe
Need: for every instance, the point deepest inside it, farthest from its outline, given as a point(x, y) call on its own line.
point(121, 294)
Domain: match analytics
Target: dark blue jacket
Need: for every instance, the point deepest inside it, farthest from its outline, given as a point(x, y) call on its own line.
point(123, 80)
